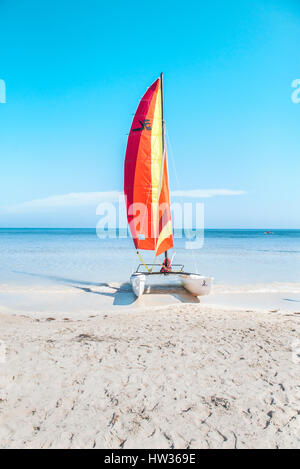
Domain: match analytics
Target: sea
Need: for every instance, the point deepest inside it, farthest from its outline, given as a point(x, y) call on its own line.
point(31, 256)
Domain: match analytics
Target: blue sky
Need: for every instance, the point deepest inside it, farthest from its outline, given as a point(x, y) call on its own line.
point(75, 71)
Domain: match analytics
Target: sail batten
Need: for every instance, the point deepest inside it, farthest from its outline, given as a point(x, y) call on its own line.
point(146, 184)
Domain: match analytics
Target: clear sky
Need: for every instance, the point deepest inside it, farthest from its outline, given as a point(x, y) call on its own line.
point(75, 71)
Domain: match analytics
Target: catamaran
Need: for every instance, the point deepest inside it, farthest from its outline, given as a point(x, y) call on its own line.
point(146, 189)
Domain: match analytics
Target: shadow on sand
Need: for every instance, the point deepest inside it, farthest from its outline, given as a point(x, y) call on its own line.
point(122, 294)
point(177, 291)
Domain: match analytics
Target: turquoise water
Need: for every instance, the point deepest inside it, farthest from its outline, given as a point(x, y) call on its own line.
point(230, 256)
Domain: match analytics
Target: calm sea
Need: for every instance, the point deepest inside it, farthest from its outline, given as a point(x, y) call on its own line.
point(230, 256)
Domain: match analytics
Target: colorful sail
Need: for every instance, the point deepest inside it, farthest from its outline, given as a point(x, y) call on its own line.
point(146, 184)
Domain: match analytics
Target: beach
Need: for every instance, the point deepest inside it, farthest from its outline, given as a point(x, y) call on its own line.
point(83, 363)
point(180, 375)
point(149, 153)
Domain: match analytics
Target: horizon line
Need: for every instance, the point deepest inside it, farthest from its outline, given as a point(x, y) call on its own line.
point(95, 228)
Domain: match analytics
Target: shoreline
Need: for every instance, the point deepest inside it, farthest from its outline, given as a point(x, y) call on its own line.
point(81, 299)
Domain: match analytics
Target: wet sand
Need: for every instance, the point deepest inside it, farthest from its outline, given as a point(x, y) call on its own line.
point(81, 299)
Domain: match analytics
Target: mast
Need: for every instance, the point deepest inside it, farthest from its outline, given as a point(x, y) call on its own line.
point(163, 129)
point(162, 114)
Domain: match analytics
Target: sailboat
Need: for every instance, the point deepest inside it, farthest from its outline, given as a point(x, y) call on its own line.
point(147, 197)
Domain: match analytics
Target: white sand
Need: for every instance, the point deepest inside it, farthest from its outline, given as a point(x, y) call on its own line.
point(178, 376)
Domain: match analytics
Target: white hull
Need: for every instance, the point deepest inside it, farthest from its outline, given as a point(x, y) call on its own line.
point(196, 284)
point(138, 282)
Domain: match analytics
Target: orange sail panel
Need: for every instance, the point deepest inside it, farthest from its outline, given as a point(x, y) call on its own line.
point(146, 184)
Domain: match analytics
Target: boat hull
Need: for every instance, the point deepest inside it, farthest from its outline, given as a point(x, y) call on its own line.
point(138, 282)
point(197, 285)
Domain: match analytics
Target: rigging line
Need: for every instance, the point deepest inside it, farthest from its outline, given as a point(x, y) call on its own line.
point(142, 260)
point(171, 153)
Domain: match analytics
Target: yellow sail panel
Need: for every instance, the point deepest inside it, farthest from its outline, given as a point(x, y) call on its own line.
point(165, 237)
point(156, 160)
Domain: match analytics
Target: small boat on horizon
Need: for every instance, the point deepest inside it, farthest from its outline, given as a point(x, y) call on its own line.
point(147, 196)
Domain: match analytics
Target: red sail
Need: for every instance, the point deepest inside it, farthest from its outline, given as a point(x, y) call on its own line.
point(146, 185)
